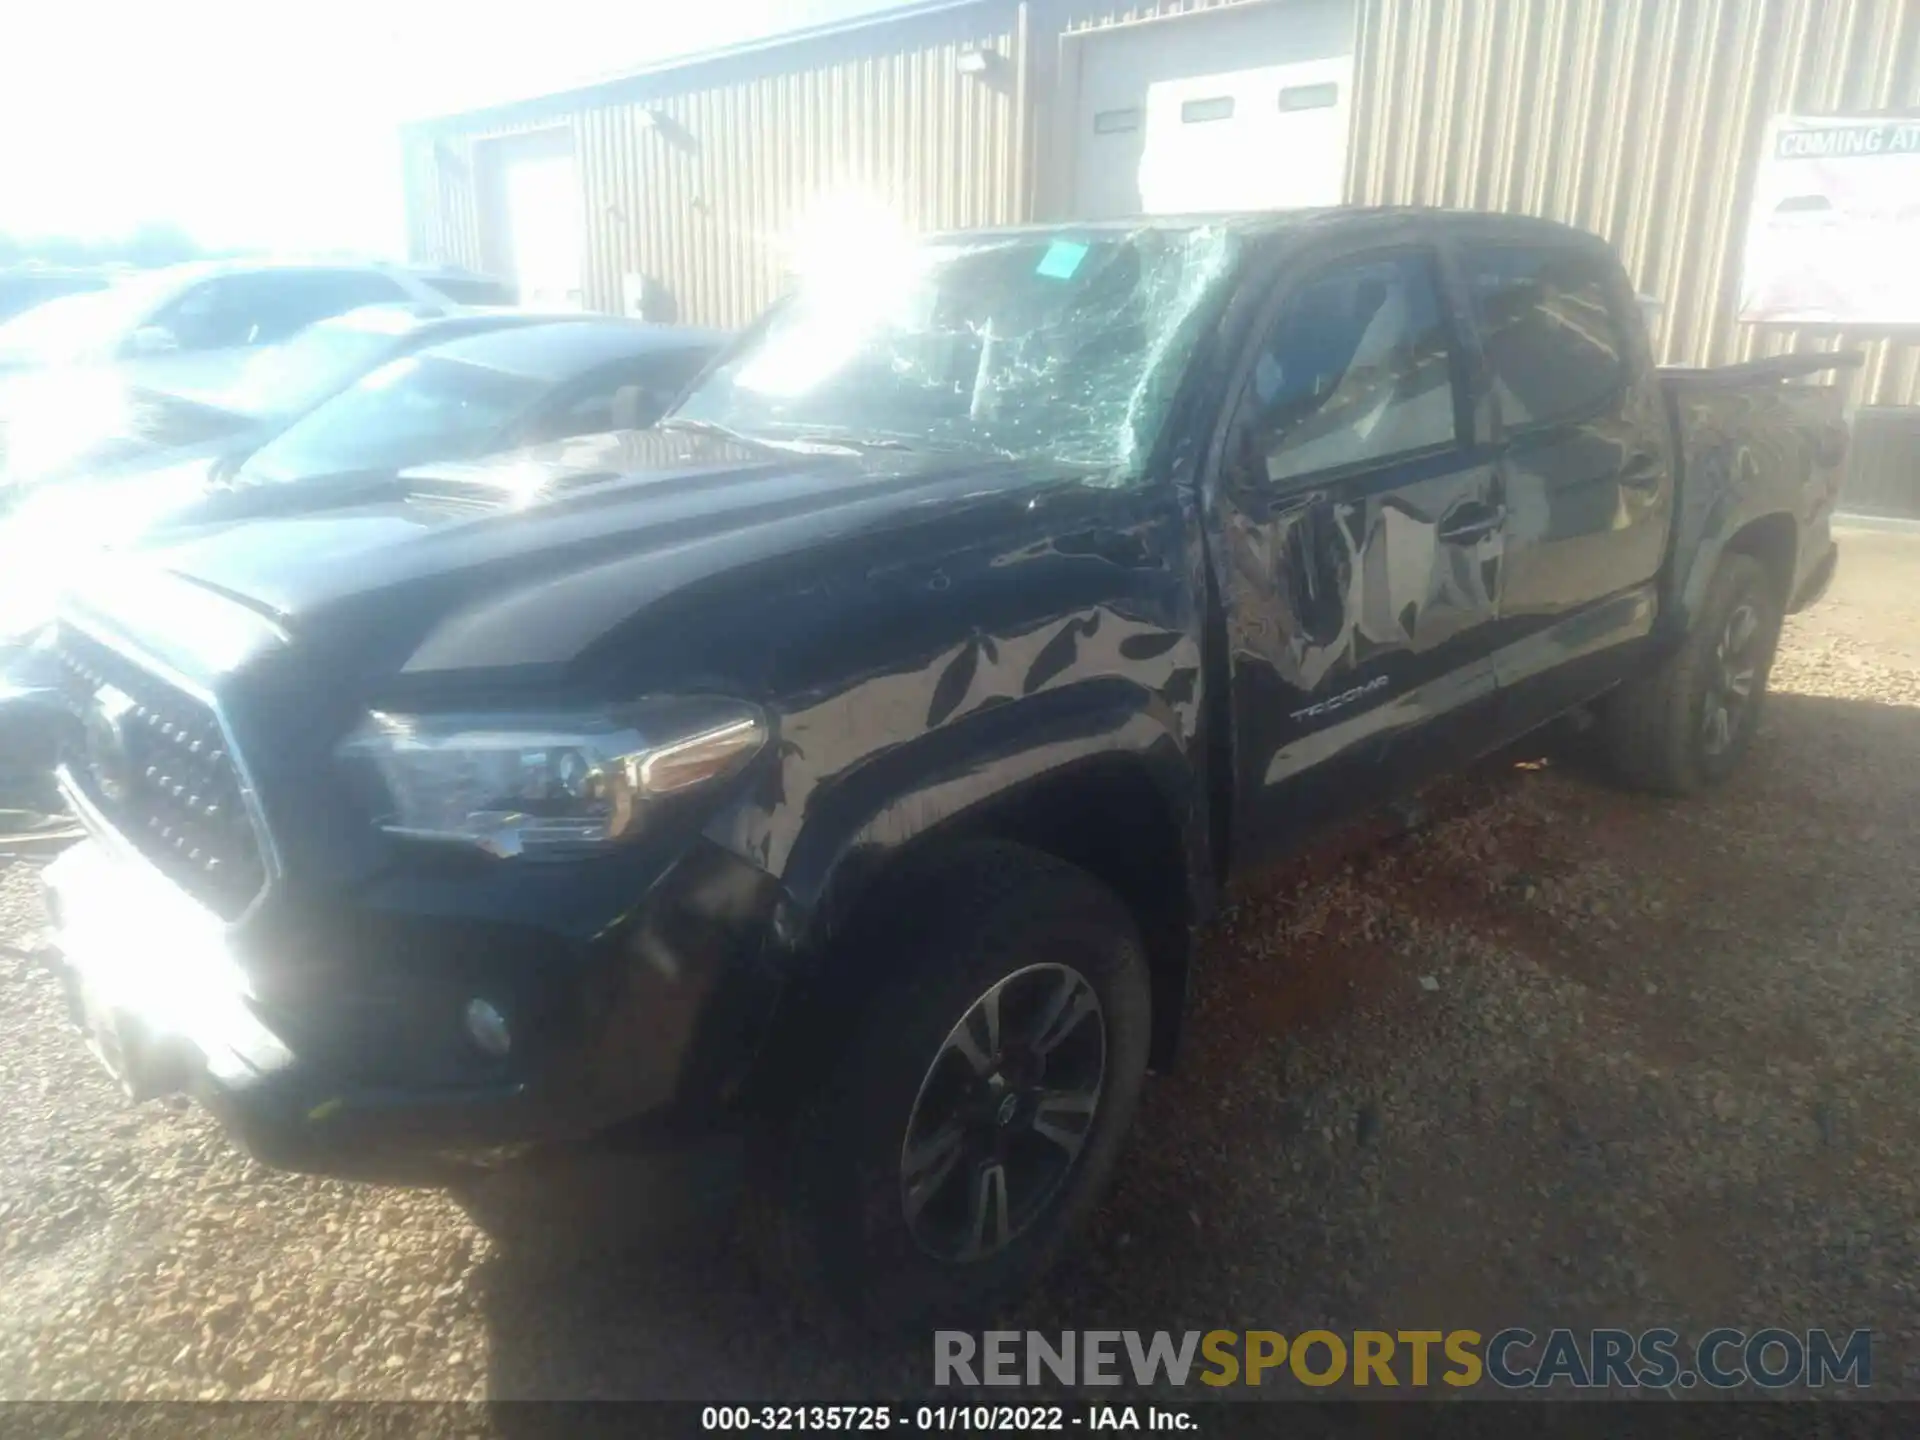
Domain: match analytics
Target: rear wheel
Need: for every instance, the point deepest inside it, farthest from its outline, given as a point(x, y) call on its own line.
point(982, 1105)
point(1686, 725)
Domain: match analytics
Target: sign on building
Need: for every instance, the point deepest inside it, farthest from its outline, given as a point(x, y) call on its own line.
point(1835, 229)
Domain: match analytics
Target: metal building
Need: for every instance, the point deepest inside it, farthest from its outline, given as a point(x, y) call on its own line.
point(668, 192)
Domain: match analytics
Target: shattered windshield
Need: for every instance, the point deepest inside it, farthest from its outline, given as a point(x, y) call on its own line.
point(1037, 346)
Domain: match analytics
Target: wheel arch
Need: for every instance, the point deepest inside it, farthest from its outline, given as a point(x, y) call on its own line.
point(1772, 538)
point(1128, 815)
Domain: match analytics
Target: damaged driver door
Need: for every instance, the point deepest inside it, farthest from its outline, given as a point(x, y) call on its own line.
point(1364, 530)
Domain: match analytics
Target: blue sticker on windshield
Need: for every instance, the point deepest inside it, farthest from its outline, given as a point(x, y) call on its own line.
point(1063, 257)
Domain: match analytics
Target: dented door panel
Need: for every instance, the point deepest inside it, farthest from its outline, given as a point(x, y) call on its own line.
point(1358, 639)
point(1752, 447)
point(1585, 463)
point(1363, 539)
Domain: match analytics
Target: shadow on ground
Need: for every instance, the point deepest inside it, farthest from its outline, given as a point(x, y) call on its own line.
point(1555, 1054)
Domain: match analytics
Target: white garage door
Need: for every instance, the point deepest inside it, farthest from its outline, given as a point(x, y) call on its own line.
point(1241, 109)
point(536, 218)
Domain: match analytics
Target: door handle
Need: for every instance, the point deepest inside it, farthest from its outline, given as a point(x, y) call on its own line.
point(1472, 521)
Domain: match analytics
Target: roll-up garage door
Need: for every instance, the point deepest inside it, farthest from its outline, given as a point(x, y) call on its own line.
point(1238, 109)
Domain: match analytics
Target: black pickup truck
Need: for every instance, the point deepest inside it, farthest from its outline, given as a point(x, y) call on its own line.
point(843, 764)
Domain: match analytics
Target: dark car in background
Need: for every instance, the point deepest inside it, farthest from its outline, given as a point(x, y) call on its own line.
point(127, 428)
point(513, 384)
point(194, 324)
point(145, 362)
point(423, 387)
point(168, 448)
point(475, 395)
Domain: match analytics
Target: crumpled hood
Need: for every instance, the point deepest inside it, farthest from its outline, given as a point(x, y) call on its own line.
point(527, 559)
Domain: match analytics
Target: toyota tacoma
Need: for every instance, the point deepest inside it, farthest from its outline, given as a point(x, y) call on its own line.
point(843, 764)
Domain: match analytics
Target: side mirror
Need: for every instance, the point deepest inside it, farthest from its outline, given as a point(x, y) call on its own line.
point(153, 340)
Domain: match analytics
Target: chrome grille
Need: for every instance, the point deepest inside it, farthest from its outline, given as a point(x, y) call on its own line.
point(154, 761)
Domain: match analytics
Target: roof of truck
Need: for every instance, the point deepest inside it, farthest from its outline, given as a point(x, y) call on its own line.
point(1267, 222)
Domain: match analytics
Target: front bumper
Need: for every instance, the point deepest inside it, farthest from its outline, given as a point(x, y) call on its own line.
point(617, 1036)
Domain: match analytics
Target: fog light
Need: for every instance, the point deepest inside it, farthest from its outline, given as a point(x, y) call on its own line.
point(487, 1028)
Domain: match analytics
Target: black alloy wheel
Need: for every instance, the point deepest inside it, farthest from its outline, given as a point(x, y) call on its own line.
point(1685, 724)
point(1003, 1113)
point(1727, 705)
point(980, 1098)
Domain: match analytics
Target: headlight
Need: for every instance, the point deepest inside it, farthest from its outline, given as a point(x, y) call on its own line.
point(545, 782)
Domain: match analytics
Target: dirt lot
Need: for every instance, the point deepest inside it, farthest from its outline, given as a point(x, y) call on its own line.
point(1555, 1055)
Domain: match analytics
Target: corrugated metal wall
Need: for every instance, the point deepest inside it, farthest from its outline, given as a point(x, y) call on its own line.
point(1640, 119)
point(1098, 14)
point(698, 188)
point(444, 196)
point(695, 188)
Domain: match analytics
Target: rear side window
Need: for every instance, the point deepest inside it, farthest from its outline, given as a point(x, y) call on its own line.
point(1358, 369)
point(1555, 350)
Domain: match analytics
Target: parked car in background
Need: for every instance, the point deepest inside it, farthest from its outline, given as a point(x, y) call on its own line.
point(468, 397)
point(125, 428)
point(194, 324)
point(24, 286)
point(96, 488)
point(511, 378)
point(508, 379)
point(842, 764)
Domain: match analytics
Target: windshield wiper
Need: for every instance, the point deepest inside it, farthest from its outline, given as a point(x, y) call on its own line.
point(800, 435)
point(852, 439)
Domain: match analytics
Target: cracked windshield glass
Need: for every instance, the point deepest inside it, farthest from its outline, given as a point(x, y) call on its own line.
point(1044, 346)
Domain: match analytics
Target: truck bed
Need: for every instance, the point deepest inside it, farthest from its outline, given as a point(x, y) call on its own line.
point(1751, 373)
point(1754, 438)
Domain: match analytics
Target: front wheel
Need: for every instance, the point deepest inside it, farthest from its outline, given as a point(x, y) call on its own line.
point(1685, 726)
point(983, 1102)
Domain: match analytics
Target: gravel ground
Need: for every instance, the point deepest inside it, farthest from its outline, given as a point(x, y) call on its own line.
point(1552, 1055)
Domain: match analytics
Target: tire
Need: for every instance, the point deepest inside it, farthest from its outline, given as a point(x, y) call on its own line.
point(1661, 731)
point(829, 1197)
